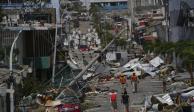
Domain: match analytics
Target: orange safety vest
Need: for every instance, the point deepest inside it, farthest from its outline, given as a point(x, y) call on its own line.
point(134, 78)
point(123, 80)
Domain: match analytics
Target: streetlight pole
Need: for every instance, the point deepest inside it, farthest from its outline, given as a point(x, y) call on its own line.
point(167, 20)
point(132, 15)
point(55, 51)
point(11, 73)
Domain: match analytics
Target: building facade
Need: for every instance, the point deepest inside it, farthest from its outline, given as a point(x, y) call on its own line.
point(31, 6)
point(108, 5)
point(142, 6)
point(181, 20)
point(36, 41)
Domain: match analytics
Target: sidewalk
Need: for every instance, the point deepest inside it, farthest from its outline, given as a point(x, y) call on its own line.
point(147, 86)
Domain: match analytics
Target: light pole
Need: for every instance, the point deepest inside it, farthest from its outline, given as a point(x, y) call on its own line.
point(55, 51)
point(11, 73)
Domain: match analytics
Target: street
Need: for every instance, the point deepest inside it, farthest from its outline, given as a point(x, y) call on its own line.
point(146, 87)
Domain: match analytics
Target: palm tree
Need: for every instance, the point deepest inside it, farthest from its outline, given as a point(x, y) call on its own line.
point(180, 46)
point(167, 49)
point(188, 60)
point(185, 50)
point(94, 9)
point(182, 49)
point(95, 13)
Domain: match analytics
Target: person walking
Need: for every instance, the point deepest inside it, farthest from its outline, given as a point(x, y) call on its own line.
point(113, 100)
point(164, 85)
point(125, 100)
point(123, 80)
point(173, 73)
point(134, 81)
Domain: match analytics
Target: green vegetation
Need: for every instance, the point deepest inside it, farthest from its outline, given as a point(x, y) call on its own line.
point(104, 27)
point(121, 42)
point(76, 6)
point(94, 11)
point(181, 49)
point(30, 85)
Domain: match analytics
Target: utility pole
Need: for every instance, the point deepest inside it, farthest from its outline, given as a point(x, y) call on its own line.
point(132, 15)
point(57, 7)
point(167, 20)
point(11, 73)
point(55, 51)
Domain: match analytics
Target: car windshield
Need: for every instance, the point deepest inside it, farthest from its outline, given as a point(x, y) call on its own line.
point(68, 96)
point(83, 46)
point(71, 100)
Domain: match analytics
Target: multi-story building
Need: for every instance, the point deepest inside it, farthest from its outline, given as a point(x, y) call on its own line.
point(11, 1)
point(28, 6)
point(147, 17)
point(36, 41)
point(145, 6)
point(180, 19)
point(178, 22)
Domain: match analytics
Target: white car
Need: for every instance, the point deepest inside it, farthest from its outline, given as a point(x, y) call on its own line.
point(119, 24)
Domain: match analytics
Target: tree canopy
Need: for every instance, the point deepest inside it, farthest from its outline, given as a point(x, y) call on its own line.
point(182, 49)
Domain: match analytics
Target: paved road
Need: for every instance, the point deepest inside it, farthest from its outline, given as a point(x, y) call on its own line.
point(84, 25)
point(147, 86)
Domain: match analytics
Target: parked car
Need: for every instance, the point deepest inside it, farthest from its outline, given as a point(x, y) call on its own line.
point(70, 102)
point(83, 48)
point(119, 24)
point(70, 105)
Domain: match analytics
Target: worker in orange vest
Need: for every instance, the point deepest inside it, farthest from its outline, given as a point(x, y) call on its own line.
point(134, 82)
point(123, 80)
